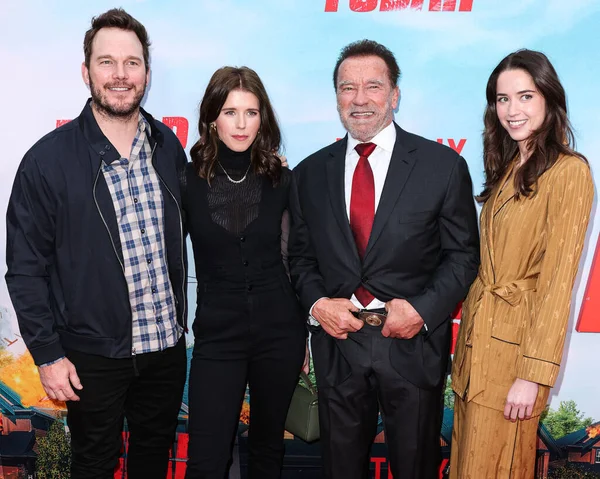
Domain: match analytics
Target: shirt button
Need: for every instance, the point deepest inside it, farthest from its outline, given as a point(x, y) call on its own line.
point(154, 290)
point(135, 200)
point(149, 261)
point(143, 231)
point(245, 263)
point(158, 320)
point(242, 238)
point(249, 287)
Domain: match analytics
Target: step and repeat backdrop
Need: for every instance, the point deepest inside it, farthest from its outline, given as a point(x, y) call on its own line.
point(446, 50)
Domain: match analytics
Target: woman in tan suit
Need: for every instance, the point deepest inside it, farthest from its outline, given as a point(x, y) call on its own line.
point(536, 206)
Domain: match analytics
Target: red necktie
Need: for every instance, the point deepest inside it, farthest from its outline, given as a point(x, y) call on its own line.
point(362, 208)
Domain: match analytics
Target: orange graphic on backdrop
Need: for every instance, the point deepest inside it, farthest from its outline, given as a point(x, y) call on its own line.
point(21, 375)
point(593, 431)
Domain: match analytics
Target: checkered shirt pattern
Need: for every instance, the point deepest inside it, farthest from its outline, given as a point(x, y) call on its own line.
point(135, 189)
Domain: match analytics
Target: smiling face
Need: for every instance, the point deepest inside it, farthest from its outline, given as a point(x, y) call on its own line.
point(366, 99)
point(117, 74)
point(520, 107)
point(239, 120)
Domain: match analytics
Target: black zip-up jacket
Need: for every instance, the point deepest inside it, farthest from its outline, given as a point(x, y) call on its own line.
point(65, 275)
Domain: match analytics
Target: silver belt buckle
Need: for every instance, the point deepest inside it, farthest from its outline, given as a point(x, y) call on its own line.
point(372, 319)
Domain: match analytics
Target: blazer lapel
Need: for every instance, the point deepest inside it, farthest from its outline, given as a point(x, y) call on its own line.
point(401, 164)
point(335, 165)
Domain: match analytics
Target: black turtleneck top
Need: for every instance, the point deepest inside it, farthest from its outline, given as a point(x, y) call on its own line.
point(235, 228)
point(234, 206)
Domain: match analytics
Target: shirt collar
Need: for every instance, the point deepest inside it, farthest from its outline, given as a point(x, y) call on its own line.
point(385, 139)
point(143, 125)
point(142, 128)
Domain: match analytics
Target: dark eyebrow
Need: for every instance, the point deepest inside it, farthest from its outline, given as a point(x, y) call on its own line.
point(130, 57)
point(518, 93)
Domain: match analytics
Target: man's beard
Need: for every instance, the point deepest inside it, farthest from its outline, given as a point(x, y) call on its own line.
point(120, 111)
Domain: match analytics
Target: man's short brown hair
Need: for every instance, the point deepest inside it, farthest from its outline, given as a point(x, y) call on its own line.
point(116, 18)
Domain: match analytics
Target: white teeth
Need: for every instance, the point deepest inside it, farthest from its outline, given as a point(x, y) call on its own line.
point(516, 123)
point(119, 89)
point(366, 113)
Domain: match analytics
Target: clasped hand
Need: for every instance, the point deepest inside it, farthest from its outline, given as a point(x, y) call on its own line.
point(403, 321)
point(335, 317)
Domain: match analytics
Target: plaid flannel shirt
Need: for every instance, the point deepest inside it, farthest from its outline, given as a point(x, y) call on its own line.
point(135, 189)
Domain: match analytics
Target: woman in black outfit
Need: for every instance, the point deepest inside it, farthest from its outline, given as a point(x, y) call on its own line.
point(249, 327)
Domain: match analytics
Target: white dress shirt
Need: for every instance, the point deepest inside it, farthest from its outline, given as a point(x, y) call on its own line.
point(380, 162)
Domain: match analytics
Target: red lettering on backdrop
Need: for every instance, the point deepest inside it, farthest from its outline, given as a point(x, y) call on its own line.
point(182, 452)
point(589, 316)
point(449, 6)
point(179, 125)
point(465, 6)
point(120, 472)
point(456, 316)
point(378, 461)
point(331, 5)
point(363, 5)
point(389, 5)
point(452, 144)
point(443, 466)
point(458, 148)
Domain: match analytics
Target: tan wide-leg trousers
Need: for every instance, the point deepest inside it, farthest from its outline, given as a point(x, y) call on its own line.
point(487, 446)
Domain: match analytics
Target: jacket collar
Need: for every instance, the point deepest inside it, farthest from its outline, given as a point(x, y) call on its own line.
point(98, 141)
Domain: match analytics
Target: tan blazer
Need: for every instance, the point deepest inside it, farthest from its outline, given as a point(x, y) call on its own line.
point(514, 319)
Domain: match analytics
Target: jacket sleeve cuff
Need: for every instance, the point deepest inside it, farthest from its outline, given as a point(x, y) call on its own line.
point(421, 306)
point(538, 371)
point(51, 362)
point(47, 353)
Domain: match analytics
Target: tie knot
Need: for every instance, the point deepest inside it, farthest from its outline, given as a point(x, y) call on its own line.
point(365, 149)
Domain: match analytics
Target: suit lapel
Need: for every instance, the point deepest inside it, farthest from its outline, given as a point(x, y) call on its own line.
point(401, 164)
point(335, 165)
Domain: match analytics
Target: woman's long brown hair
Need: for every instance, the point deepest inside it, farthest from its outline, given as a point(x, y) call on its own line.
point(268, 141)
point(552, 139)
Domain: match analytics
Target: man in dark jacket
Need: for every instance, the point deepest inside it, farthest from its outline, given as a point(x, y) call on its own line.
point(96, 262)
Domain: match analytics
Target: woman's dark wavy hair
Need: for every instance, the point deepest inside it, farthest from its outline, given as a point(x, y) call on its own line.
point(553, 138)
point(268, 141)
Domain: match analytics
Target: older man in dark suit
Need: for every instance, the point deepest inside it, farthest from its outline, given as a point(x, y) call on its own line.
point(383, 246)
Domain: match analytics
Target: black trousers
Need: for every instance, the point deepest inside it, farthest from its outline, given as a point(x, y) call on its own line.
point(147, 393)
point(356, 380)
point(256, 339)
